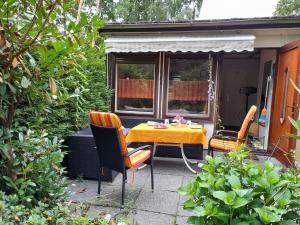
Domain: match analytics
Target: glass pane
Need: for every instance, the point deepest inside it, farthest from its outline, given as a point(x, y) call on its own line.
point(135, 84)
point(284, 99)
point(188, 86)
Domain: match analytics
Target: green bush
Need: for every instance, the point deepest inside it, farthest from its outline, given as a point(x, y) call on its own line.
point(233, 190)
point(51, 76)
point(39, 174)
point(12, 212)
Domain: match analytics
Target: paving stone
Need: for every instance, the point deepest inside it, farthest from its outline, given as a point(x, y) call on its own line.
point(151, 218)
point(82, 191)
point(169, 166)
point(112, 195)
point(181, 220)
point(138, 178)
point(262, 159)
point(164, 182)
point(180, 210)
point(95, 211)
point(158, 201)
point(86, 192)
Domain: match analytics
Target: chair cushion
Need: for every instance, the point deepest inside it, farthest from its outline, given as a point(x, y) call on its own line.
point(247, 120)
point(137, 158)
point(106, 119)
point(223, 144)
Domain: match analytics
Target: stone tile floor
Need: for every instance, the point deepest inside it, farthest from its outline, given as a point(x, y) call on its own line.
point(142, 206)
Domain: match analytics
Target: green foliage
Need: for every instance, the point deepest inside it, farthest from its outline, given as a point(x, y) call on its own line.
point(37, 162)
point(295, 123)
point(287, 8)
point(234, 190)
point(51, 76)
point(145, 10)
point(11, 213)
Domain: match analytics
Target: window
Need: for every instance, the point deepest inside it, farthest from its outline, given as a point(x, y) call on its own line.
point(162, 85)
point(188, 81)
point(135, 87)
point(284, 98)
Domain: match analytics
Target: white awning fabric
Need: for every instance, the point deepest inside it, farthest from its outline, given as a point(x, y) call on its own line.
point(180, 43)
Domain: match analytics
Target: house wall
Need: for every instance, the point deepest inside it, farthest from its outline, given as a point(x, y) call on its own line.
point(237, 73)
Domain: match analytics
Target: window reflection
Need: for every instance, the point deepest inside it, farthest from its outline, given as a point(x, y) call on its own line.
point(188, 86)
point(135, 85)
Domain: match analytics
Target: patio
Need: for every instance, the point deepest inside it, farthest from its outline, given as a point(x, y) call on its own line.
point(163, 206)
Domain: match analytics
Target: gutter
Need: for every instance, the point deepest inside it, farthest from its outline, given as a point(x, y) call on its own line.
point(204, 25)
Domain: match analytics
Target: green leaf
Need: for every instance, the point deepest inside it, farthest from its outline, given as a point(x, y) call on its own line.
point(273, 176)
point(234, 181)
point(294, 136)
point(239, 202)
point(189, 204)
point(284, 198)
point(2, 89)
point(25, 82)
point(268, 165)
point(11, 87)
point(295, 86)
point(267, 216)
point(253, 172)
point(227, 197)
point(186, 189)
point(295, 123)
point(200, 211)
point(243, 192)
point(288, 222)
point(196, 220)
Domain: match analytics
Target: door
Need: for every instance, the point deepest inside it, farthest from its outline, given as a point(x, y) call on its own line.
point(285, 102)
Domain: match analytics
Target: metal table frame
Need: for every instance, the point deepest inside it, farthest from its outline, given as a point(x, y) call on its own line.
point(185, 159)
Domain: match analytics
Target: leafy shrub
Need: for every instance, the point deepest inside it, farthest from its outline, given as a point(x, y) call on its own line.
point(11, 213)
point(234, 190)
point(51, 75)
point(39, 174)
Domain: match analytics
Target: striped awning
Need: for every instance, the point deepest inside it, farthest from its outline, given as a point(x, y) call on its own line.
point(180, 43)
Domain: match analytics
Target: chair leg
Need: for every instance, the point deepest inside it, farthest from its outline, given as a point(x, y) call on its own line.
point(99, 181)
point(123, 186)
point(152, 181)
point(210, 151)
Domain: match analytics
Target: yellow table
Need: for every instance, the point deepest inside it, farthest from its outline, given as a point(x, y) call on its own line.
point(172, 136)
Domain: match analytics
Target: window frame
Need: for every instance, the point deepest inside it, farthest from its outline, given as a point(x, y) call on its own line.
point(192, 56)
point(285, 95)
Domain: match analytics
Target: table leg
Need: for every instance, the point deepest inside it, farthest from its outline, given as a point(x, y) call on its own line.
point(186, 160)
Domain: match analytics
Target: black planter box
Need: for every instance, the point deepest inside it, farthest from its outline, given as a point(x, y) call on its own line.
point(82, 159)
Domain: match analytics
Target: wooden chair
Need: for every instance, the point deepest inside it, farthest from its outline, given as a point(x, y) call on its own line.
point(112, 148)
point(227, 140)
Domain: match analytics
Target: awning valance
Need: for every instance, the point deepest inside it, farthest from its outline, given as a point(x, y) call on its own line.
point(176, 43)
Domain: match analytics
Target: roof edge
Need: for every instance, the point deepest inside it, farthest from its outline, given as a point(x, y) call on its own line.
point(197, 25)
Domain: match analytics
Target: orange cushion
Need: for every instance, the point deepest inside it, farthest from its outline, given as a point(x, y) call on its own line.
point(106, 119)
point(247, 120)
point(137, 158)
point(223, 144)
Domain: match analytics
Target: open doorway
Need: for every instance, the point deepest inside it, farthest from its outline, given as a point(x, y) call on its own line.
point(246, 79)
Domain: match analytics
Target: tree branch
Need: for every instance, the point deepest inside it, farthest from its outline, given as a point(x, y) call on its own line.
point(37, 35)
point(31, 24)
point(79, 11)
